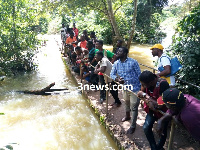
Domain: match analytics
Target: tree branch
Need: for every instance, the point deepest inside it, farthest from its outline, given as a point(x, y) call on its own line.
point(97, 9)
point(118, 8)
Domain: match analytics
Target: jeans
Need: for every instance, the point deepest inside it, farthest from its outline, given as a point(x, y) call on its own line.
point(131, 104)
point(148, 125)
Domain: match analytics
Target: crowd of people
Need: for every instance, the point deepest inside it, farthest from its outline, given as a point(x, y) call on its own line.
point(93, 63)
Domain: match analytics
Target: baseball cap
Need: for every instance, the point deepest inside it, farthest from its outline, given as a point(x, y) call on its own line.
point(159, 46)
point(173, 96)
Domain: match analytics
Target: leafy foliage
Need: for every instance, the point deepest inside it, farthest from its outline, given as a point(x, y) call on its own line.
point(17, 38)
point(148, 21)
point(186, 44)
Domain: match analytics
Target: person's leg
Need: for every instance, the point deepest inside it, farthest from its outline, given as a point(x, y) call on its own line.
point(163, 137)
point(134, 103)
point(127, 106)
point(148, 125)
point(114, 92)
point(103, 91)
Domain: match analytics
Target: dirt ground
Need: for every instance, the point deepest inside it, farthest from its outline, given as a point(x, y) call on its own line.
point(117, 129)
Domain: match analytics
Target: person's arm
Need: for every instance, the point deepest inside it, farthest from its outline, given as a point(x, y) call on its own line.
point(162, 121)
point(96, 68)
point(101, 69)
point(166, 71)
point(113, 73)
point(85, 75)
point(165, 61)
point(148, 100)
point(114, 58)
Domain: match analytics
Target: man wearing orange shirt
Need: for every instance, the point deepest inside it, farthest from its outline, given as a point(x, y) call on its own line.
point(71, 40)
point(83, 42)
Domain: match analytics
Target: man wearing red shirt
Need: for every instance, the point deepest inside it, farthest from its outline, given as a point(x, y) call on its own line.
point(75, 30)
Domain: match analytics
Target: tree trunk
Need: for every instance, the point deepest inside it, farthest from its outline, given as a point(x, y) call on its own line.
point(112, 18)
point(44, 91)
point(133, 25)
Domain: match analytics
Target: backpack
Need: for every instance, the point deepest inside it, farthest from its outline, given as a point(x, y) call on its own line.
point(175, 66)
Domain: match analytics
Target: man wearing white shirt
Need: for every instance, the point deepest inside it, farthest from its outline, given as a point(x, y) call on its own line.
point(163, 61)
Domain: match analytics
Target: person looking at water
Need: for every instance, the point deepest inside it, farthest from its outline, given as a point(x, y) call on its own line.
point(127, 71)
point(75, 30)
point(152, 89)
point(119, 45)
point(71, 40)
point(86, 35)
point(163, 60)
point(63, 33)
point(110, 56)
point(93, 77)
point(105, 66)
point(83, 42)
point(93, 37)
point(185, 108)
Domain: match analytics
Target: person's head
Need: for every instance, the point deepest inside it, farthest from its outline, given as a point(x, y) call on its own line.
point(82, 38)
point(78, 50)
point(90, 44)
point(157, 50)
point(63, 25)
point(173, 99)
point(119, 43)
point(122, 52)
point(85, 32)
point(99, 44)
point(71, 34)
point(99, 56)
point(147, 79)
point(92, 34)
point(74, 25)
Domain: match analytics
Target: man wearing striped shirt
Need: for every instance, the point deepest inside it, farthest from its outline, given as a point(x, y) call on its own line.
point(127, 71)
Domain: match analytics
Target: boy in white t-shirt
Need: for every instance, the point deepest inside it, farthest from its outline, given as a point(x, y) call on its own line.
point(163, 61)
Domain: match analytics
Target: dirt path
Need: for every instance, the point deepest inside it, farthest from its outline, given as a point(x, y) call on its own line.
point(117, 129)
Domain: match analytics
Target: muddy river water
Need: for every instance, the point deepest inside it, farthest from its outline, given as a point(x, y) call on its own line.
point(62, 121)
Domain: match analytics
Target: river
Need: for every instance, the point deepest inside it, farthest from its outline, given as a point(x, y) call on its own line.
point(55, 122)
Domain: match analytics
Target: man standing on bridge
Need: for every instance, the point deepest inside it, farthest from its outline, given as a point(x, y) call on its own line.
point(127, 71)
point(163, 61)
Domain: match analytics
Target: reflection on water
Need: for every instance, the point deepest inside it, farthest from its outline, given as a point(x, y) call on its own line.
point(55, 122)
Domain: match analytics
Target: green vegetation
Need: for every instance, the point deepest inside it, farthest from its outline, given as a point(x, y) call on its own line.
point(19, 26)
point(186, 43)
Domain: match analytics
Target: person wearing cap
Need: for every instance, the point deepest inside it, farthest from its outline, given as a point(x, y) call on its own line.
point(151, 91)
point(185, 108)
point(163, 61)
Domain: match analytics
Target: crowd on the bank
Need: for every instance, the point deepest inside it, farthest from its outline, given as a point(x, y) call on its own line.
point(157, 91)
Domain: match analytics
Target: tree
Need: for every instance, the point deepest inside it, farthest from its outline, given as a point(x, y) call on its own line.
point(17, 37)
point(110, 9)
point(186, 46)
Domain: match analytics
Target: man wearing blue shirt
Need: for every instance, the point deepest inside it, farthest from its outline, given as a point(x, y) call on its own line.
point(127, 71)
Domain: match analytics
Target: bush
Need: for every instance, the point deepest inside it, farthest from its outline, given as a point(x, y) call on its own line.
point(186, 46)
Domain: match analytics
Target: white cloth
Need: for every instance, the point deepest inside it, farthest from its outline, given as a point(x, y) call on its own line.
point(164, 60)
point(108, 64)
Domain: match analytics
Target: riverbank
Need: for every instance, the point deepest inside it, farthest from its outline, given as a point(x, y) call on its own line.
point(117, 129)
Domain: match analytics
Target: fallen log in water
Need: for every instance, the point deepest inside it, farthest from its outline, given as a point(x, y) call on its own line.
point(45, 91)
